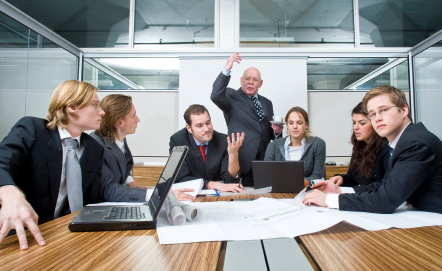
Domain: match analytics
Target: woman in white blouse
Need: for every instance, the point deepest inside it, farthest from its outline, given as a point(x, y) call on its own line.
point(299, 145)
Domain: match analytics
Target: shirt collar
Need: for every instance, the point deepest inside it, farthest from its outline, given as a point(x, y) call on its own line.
point(65, 134)
point(393, 144)
point(256, 96)
point(200, 144)
point(288, 141)
point(119, 143)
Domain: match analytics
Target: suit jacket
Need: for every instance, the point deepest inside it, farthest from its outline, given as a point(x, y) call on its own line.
point(415, 176)
point(241, 116)
point(216, 167)
point(380, 170)
point(313, 157)
point(117, 166)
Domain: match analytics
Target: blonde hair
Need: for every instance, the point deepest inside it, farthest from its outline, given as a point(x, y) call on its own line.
point(115, 107)
point(304, 114)
point(68, 93)
point(397, 96)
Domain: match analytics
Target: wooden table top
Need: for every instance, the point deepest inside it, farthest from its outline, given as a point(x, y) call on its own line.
point(341, 247)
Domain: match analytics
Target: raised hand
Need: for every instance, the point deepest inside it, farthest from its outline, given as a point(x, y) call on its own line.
point(233, 58)
point(234, 144)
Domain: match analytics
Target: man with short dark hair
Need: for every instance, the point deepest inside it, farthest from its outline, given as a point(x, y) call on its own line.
point(246, 111)
point(210, 157)
point(415, 166)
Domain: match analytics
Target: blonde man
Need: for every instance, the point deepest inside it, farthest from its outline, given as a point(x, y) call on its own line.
point(415, 167)
point(49, 168)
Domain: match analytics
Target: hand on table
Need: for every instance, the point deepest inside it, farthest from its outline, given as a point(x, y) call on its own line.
point(181, 194)
point(16, 213)
point(233, 58)
point(327, 187)
point(338, 180)
point(315, 197)
point(225, 187)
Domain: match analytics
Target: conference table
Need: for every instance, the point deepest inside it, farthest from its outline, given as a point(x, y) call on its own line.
point(341, 247)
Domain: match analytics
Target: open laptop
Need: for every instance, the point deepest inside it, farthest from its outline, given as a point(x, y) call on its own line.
point(132, 217)
point(282, 176)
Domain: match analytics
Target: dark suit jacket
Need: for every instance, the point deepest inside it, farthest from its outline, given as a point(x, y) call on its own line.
point(119, 165)
point(380, 170)
point(216, 167)
point(241, 116)
point(415, 176)
point(31, 159)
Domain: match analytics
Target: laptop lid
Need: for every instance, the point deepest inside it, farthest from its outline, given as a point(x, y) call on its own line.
point(166, 180)
point(283, 176)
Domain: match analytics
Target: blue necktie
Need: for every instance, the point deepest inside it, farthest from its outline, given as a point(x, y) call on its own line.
point(391, 151)
point(73, 176)
point(258, 108)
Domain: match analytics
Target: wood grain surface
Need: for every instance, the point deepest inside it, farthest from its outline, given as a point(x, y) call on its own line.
point(147, 176)
point(331, 171)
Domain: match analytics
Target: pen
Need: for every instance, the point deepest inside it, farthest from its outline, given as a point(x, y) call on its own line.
point(217, 194)
point(240, 182)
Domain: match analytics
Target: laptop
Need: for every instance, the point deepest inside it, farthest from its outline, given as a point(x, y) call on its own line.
point(282, 176)
point(132, 217)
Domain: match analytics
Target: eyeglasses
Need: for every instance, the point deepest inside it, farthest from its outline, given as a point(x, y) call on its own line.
point(382, 112)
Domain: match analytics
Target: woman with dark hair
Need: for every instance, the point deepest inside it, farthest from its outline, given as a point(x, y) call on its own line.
point(299, 145)
point(370, 155)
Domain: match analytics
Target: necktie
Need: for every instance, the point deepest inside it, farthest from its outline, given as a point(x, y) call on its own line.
point(258, 108)
point(203, 151)
point(73, 176)
point(391, 151)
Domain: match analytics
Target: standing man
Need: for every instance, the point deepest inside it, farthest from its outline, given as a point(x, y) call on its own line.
point(210, 156)
point(415, 166)
point(246, 111)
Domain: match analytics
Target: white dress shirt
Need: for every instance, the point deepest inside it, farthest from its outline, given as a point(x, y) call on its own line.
point(332, 200)
point(62, 193)
point(122, 147)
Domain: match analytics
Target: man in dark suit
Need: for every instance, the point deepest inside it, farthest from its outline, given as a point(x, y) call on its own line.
point(48, 168)
point(210, 156)
point(119, 121)
point(415, 166)
point(246, 111)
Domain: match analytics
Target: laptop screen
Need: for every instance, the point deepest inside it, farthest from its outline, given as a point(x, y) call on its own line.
point(167, 178)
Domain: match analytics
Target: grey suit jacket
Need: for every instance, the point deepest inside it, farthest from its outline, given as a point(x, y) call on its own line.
point(116, 168)
point(216, 167)
point(241, 116)
point(313, 156)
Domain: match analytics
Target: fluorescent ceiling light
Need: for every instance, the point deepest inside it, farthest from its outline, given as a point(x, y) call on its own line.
point(141, 64)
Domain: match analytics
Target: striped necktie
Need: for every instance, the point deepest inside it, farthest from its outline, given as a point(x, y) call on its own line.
point(73, 176)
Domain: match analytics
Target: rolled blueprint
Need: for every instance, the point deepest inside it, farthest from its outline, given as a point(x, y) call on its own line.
point(191, 212)
point(174, 212)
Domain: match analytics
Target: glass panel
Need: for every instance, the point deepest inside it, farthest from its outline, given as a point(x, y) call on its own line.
point(399, 23)
point(148, 73)
point(98, 23)
point(296, 23)
point(174, 23)
point(428, 88)
point(100, 79)
point(396, 77)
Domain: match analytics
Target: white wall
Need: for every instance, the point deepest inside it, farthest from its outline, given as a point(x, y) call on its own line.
point(284, 83)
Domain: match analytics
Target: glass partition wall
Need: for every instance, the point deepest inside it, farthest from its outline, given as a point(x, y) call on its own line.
point(31, 66)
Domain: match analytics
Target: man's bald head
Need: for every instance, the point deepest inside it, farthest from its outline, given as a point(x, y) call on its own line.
point(251, 81)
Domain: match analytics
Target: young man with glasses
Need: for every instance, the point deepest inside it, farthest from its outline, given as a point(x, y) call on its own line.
point(415, 167)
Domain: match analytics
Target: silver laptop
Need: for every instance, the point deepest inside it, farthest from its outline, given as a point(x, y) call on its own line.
point(132, 217)
point(282, 176)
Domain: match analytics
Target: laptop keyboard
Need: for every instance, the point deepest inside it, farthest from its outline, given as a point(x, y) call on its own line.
point(125, 213)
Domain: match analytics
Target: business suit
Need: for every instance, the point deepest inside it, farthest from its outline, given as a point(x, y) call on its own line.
point(241, 116)
point(120, 166)
point(380, 170)
point(216, 167)
point(415, 176)
point(313, 157)
point(31, 159)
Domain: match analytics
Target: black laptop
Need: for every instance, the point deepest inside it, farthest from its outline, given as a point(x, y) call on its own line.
point(282, 176)
point(132, 217)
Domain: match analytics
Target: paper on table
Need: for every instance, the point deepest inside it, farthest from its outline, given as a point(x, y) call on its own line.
point(249, 190)
point(174, 212)
point(207, 192)
point(192, 213)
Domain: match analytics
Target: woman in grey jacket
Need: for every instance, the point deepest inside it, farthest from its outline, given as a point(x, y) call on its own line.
point(299, 145)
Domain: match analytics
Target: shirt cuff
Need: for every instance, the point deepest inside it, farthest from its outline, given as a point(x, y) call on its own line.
point(347, 190)
point(129, 180)
point(226, 72)
point(332, 200)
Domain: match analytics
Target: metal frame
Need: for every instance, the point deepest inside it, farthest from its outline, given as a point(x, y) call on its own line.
point(36, 26)
point(435, 38)
point(112, 73)
point(411, 86)
point(80, 67)
point(356, 23)
point(131, 23)
point(216, 31)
